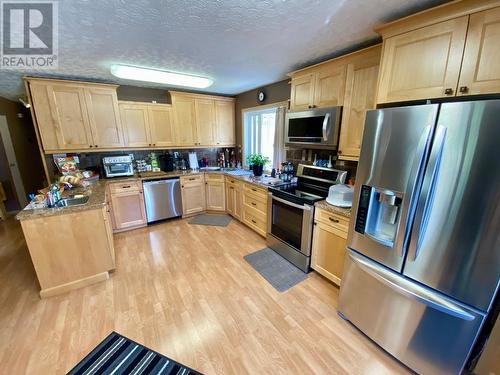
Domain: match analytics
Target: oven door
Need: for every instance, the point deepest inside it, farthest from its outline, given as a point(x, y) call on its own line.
point(291, 223)
point(118, 169)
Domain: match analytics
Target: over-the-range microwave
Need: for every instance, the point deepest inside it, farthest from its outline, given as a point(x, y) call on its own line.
point(318, 127)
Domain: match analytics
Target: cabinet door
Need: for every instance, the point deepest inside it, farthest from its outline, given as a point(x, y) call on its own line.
point(215, 196)
point(46, 123)
point(205, 122)
point(104, 117)
point(128, 209)
point(69, 111)
point(423, 63)
point(360, 91)
point(135, 124)
point(109, 233)
point(184, 120)
point(161, 125)
point(238, 203)
point(328, 251)
point(302, 92)
point(481, 68)
point(329, 86)
point(224, 120)
point(193, 197)
point(230, 199)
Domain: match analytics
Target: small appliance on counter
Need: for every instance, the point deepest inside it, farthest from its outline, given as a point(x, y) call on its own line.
point(166, 161)
point(118, 166)
point(340, 195)
point(287, 172)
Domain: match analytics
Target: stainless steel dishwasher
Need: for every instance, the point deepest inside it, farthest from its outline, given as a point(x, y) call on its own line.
point(162, 199)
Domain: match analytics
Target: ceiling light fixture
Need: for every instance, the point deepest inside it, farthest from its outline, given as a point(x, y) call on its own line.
point(159, 76)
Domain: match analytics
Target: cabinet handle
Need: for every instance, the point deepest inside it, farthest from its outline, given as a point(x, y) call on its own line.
point(309, 106)
point(149, 144)
point(334, 220)
point(96, 146)
point(91, 146)
point(448, 91)
point(463, 89)
point(254, 190)
point(254, 204)
point(126, 186)
point(253, 221)
point(192, 179)
point(340, 152)
point(231, 187)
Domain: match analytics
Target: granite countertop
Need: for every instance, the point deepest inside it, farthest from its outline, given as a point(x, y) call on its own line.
point(97, 192)
point(334, 209)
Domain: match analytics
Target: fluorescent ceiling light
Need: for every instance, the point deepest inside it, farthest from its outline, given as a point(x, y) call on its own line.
point(159, 76)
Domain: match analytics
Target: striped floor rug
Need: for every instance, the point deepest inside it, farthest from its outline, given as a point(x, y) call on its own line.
point(118, 355)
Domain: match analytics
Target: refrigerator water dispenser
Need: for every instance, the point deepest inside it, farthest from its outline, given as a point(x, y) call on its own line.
point(378, 214)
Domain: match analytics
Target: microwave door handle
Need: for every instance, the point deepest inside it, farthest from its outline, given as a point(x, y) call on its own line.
point(426, 197)
point(325, 126)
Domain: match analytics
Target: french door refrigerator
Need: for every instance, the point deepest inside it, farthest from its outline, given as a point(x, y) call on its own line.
point(423, 262)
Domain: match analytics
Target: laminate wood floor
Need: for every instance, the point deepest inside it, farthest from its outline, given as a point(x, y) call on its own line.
point(185, 291)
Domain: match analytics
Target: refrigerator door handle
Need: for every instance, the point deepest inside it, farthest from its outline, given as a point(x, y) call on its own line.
point(410, 289)
point(426, 198)
point(416, 169)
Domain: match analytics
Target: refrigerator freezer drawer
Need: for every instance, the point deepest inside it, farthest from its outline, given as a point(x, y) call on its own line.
point(428, 332)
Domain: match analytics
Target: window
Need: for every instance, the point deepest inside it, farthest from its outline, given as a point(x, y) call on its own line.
point(258, 133)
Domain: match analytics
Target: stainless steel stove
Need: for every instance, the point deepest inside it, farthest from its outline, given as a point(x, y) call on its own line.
point(290, 212)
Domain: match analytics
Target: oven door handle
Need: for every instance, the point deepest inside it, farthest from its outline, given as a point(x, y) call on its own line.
point(288, 203)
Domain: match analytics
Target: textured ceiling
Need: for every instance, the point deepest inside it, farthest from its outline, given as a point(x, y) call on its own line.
point(241, 44)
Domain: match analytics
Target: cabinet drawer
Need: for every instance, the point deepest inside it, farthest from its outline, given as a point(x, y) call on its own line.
point(125, 187)
point(337, 221)
point(257, 192)
point(255, 220)
point(214, 177)
point(232, 180)
point(255, 203)
point(192, 178)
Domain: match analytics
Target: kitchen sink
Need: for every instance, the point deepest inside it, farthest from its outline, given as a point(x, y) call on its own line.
point(73, 201)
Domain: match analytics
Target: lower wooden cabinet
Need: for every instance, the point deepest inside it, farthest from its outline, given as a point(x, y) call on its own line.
point(193, 194)
point(108, 223)
point(234, 198)
point(254, 204)
point(329, 245)
point(127, 205)
point(215, 192)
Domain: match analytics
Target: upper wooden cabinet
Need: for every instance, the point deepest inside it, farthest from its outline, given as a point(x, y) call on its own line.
point(423, 63)
point(147, 125)
point(104, 117)
point(203, 120)
point(481, 64)
point(75, 115)
point(445, 51)
point(224, 122)
point(360, 91)
point(318, 86)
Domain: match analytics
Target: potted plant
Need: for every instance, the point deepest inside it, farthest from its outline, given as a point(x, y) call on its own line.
point(257, 162)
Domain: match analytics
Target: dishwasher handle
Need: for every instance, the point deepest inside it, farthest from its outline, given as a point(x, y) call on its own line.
point(161, 182)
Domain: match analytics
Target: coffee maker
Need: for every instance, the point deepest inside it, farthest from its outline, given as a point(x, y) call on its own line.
point(166, 161)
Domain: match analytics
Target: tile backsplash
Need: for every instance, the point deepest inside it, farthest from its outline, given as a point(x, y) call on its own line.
point(92, 160)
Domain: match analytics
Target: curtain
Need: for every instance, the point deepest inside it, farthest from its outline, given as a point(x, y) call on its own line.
point(279, 138)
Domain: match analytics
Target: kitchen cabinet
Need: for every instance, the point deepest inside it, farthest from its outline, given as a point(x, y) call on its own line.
point(108, 224)
point(75, 115)
point(147, 125)
point(104, 117)
point(135, 124)
point(254, 204)
point(70, 250)
point(215, 192)
point(224, 122)
point(329, 245)
point(318, 87)
point(234, 197)
point(193, 194)
point(205, 121)
point(127, 203)
point(457, 45)
point(434, 73)
point(480, 72)
point(360, 92)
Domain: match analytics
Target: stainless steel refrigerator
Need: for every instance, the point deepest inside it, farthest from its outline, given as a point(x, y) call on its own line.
point(423, 262)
